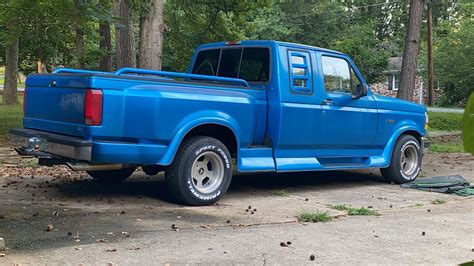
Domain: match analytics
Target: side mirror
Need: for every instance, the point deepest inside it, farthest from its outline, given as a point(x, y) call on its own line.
point(359, 91)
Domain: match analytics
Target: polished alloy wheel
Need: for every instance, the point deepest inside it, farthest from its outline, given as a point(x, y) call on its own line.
point(409, 160)
point(207, 172)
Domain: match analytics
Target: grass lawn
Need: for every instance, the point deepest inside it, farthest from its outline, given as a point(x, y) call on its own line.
point(2, 78)
point(10, 116)
point(449, 147)
point(444, 121)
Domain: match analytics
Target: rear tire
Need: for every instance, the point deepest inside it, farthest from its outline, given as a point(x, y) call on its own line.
point(111, 176)
point(405, 164)
point(201, 171)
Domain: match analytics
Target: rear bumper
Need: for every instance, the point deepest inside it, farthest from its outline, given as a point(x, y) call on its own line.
point(426, 145)
point(44, 144)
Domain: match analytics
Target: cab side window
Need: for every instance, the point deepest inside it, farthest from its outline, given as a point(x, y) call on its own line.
point(337, 75)
point(300, 72)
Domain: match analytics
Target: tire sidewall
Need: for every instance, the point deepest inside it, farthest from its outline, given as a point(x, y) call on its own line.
point(196, 151)
point(407, 141)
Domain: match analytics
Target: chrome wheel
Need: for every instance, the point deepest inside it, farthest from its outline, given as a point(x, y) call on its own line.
point(207, 173)
point(409, 160)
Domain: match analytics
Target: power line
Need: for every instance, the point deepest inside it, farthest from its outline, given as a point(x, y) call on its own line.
point(336, 11)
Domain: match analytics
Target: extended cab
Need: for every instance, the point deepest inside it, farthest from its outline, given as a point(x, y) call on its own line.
point(254, 105)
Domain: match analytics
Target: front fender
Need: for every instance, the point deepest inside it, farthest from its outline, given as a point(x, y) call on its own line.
point(194, 120)
point(388, 150)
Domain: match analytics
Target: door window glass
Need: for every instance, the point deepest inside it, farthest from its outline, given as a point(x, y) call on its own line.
point(337, 76)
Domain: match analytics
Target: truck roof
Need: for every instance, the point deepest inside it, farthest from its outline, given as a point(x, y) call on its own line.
point(265, 42)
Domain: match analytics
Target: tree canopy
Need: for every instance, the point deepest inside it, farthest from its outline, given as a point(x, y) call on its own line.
point(370, 31)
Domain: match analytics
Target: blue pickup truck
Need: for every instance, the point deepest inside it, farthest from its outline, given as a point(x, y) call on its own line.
point(252, 105)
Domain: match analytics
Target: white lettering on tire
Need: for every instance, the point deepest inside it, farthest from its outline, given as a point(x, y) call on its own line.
point(217, 193)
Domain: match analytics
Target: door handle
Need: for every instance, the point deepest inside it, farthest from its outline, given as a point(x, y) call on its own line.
point(328, 102)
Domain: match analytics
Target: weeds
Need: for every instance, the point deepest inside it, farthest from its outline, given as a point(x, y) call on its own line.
point(314, 217)
point(281, 193)
point(438, 201)
point(354, 211)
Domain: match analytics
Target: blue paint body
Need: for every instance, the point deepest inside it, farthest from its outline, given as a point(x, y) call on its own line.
point(277, 126)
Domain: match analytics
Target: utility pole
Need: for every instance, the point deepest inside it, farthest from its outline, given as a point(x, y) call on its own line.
point(430, 53)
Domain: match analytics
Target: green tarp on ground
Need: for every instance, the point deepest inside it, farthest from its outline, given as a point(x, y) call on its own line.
point(453, 184)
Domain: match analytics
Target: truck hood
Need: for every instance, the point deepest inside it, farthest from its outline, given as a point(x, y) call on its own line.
point(390, 103)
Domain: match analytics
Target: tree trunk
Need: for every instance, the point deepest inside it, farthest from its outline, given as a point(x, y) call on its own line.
point(40, 66)
point(79, 41)
point(410, 52)
point(151, 36)
point(105, 46)
point(125, 39)
point(11, 70)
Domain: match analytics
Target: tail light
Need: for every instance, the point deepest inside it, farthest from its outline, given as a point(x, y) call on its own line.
point(93, 107)
point(24, 101)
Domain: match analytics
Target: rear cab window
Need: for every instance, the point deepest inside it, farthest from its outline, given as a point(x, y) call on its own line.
point(251, 64)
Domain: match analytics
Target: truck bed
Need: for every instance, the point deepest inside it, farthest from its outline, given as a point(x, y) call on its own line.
point(140, 110)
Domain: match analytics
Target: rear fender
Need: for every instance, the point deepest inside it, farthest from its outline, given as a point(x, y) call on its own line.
point(194, 120)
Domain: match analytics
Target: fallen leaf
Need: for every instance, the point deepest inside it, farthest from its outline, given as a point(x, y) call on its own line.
point(49, 228)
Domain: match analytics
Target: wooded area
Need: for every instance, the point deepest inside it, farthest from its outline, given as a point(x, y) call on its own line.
point(42, 35)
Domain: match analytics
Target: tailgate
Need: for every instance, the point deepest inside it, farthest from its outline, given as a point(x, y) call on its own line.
point(55, 103)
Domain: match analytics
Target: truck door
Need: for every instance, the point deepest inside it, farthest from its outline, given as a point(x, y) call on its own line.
point(348, 126)
point(294, 119)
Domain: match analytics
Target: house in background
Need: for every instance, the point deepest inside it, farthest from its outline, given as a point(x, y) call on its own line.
point(390, 84)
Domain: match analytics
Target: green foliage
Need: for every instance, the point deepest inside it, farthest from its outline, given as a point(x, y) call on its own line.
point(468, 126)
point(438, 201)
point(354, 211)
point(449, 147)
point(314, 217)
point(46, 31)
point(369, 31)
point(361, 211)
point(191, 23)
point(444, 121)
point(10, 117)
point(341, 207)
point(453, 39)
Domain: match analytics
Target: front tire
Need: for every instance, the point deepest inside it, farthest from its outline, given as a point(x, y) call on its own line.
point(405, 164)
point(201, 171)
point(111, 176)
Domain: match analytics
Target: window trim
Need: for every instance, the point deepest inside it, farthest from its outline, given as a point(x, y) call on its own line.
point(270, 62)
point(306, 55)
point(350, 67)
point(393, 82)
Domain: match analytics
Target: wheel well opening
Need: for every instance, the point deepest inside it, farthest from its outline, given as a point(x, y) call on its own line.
point(222, 133)
point(414, 134)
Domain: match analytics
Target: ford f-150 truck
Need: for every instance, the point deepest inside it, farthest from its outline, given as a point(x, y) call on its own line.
point(254, 105)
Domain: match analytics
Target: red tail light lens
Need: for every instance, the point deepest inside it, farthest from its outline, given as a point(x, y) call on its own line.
point(93, 107)
point(24, 101)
